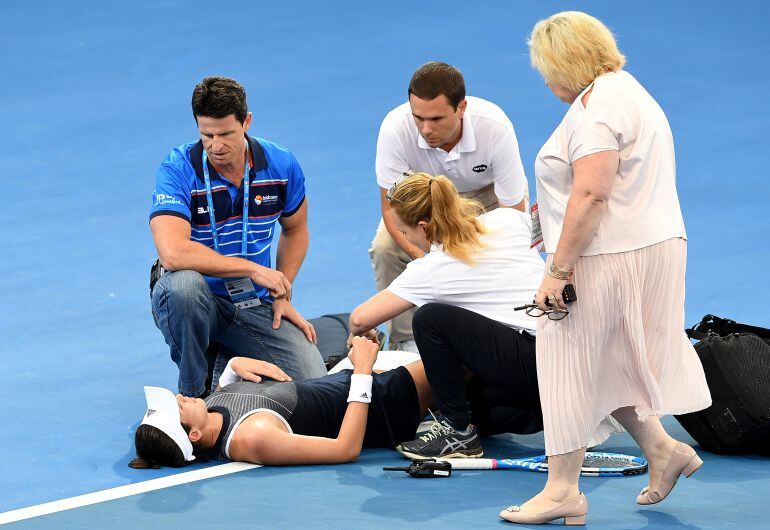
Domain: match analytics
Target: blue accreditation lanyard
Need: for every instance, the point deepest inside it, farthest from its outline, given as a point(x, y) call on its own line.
point(212, 217)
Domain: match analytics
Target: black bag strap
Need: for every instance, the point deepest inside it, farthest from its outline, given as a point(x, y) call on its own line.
point(711, 324)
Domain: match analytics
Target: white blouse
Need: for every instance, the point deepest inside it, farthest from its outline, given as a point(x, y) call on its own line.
point(643, 208)
point(505, 274)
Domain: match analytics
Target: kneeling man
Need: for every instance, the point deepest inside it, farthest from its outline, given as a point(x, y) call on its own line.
point(214, 212)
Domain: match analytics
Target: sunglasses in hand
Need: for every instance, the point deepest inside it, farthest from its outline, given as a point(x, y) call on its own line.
point(534, 311)
point(568, 295)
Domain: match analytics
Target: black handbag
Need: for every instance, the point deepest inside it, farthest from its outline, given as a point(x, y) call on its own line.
point(736, 360)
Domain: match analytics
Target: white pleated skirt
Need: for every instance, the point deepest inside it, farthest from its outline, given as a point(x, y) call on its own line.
point(623, 344)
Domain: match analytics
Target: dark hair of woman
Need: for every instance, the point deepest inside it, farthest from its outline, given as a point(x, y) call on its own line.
point(155, 449)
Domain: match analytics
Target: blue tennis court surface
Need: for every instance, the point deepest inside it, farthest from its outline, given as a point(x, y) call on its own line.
point(94, 95)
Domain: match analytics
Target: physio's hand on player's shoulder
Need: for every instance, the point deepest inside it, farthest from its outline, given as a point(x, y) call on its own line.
point(363, 354)
point(283, 309)
point(253, 370)
point(274, 281)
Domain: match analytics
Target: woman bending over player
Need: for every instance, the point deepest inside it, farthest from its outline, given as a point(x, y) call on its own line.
point(476, 270)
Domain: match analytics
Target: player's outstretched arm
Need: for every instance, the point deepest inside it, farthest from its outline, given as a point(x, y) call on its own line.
point(268, 444)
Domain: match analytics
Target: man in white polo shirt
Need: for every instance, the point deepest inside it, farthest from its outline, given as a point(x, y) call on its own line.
point(441, 132)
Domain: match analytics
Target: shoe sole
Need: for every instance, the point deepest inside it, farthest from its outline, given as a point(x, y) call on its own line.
point(415, 456)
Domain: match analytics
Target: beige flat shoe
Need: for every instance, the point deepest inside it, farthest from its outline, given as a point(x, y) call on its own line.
point(573, 511)
point(683, 461)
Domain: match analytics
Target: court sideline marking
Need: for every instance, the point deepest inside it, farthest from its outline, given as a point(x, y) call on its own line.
point(123, 491)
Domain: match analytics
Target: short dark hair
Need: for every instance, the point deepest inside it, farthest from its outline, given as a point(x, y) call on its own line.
point(435, 79)
point(218, 97)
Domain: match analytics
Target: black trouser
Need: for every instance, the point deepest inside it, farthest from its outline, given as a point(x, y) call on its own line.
point(503, 389)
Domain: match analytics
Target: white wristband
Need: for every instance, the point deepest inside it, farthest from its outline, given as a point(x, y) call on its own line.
point(360, 388)
point(228, 375)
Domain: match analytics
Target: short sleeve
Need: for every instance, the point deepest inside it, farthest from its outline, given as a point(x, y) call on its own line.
point(390, 162)
point(598, 131)
point(415, 284)
point(172, 193)
point(295, 188)
point(509, 178)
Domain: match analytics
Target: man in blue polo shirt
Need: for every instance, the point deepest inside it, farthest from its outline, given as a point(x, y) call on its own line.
point(214, 211)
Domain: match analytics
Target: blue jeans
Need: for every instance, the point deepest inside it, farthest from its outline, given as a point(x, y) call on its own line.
point(191, 318)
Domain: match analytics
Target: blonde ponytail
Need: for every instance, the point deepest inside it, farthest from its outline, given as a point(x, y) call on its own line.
point(451, 219)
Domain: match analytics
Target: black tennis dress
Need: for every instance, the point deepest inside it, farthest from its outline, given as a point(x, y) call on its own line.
point(316, 407)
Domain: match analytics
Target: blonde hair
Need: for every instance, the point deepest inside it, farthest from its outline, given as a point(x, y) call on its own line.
point(451, 219)
point(572, 49)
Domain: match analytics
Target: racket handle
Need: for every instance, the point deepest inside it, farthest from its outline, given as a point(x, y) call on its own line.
point(472, 463)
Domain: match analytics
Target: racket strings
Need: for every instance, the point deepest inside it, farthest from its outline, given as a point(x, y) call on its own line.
point(603, 461)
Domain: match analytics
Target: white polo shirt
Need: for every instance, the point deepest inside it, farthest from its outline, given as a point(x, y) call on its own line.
point(506, 273)
point(487, 152)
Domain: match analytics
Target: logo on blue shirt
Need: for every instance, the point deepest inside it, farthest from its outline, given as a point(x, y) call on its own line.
point(265, 199)
point(163, 199)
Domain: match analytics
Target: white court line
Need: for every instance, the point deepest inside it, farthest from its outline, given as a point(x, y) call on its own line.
point(123, 491)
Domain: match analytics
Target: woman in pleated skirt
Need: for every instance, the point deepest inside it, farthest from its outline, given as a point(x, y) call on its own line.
point(612, 227)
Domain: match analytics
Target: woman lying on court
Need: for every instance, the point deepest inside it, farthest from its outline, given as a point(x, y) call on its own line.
point(279, 422)
point(477, 268)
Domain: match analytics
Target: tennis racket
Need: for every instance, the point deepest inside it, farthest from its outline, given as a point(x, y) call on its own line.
point(594, 464)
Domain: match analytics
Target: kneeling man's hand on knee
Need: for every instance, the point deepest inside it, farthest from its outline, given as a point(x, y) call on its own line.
point(284, 309)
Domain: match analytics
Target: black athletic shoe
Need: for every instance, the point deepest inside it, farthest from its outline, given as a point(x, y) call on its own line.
point(443, 441)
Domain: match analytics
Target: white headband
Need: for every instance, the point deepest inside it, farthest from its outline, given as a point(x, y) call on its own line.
point(163, 413)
